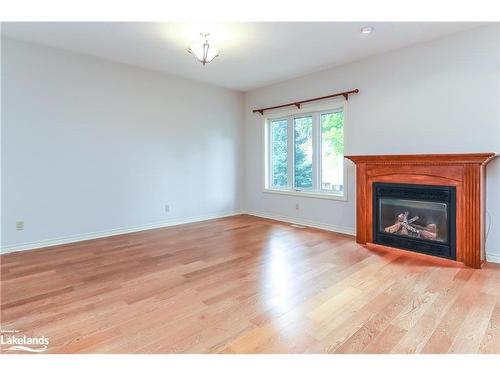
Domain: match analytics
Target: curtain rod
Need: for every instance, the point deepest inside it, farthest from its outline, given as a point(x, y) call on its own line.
point(345, 94)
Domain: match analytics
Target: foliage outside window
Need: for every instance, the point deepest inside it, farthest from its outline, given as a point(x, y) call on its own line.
point(303, 149)
point(279, 164)
point(306, 153)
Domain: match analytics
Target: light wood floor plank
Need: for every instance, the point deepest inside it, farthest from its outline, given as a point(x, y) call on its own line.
point(246, 285)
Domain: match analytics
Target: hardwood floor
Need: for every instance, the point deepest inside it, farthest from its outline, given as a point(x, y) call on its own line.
point(247, 285)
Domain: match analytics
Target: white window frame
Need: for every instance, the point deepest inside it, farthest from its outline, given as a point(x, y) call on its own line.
point(316, 191)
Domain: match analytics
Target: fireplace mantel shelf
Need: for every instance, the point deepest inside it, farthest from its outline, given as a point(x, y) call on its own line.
point(481, 158)
point(465, 172)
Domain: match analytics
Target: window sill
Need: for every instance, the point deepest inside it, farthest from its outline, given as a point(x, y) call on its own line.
point(308, 194)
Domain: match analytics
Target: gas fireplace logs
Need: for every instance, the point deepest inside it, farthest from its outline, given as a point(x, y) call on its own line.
point(407, 227)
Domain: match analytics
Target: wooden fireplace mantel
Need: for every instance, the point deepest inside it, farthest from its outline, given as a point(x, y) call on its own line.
point(466, 172)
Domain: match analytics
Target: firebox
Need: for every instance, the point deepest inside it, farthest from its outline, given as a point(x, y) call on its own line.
point(420, 218)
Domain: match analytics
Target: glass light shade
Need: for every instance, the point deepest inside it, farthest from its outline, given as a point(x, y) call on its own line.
point(204, 53)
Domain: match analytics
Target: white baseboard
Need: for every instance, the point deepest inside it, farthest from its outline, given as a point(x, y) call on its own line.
point(493, 258)
point(305, 222)
point(113, 232)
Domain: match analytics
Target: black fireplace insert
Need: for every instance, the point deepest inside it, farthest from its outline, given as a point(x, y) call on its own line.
point(420, 218)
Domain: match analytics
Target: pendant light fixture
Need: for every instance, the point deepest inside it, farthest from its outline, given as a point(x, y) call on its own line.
point(204, 52)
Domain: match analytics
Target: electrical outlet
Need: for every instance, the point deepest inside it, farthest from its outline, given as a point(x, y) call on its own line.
point(167, 208)
point(297, 207)
point(19, 225)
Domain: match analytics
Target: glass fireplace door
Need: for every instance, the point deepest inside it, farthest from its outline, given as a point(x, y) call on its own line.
point(420, 218)
point(414, 219)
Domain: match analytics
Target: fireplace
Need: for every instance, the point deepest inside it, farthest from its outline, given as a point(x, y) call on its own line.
point(414, 217)
point(445, 191)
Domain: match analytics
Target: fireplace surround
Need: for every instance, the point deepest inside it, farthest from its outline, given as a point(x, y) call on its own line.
point(464, 177)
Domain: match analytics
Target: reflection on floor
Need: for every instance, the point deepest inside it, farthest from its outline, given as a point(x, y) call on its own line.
point(247, 285)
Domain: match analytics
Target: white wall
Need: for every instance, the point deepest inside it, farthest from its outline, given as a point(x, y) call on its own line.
point(437, 97)
point(90, 146)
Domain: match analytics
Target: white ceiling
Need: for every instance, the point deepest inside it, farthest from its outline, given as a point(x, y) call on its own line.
point(252, 54)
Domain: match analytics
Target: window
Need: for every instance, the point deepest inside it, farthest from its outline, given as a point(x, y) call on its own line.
point(306, 153)
point(332, 151)
point(279, 153)
point(302, 152)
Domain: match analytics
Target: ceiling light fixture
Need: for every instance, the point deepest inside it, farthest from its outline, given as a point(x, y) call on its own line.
point(204, 52)
point(366, 30)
